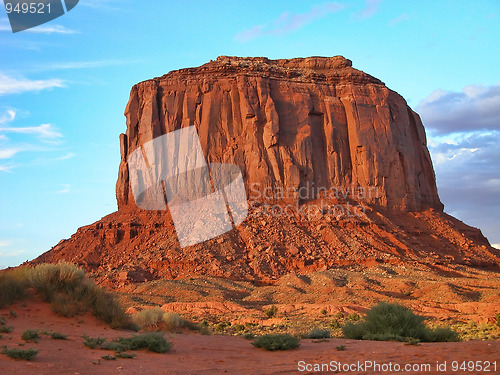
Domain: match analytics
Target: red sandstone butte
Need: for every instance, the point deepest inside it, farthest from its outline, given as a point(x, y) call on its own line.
point(287, 124)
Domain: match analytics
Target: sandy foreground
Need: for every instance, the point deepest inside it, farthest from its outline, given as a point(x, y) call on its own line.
point(193, 353)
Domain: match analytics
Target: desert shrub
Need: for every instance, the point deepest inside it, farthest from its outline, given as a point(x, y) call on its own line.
point(152, 317)
point(125, 355)
point(27, 354)
point(319, 334)
point(148, 317)
point(497, 318)
point(66, 288)
point(239, 327)
point(109, 357)
point(6, 329)
point(13, 285)
point(277, 342)
point(172, 321)
point(58, 336)
point(393, 322)
point(30, 335)
point(442, 334)
point(339, 316)
point(93, 342)
point(152, 341)
point(354, 317)
point(2, 321)
point(220, 327)
point(340, 348)
point(249, 336)
point(334, 324)
point(271, 311)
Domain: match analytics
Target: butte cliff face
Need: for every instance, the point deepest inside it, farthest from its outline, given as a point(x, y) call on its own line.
point(287, 124)
point(313, 122)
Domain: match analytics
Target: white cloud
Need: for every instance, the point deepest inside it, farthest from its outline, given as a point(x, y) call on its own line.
point(8, 117)
point(44, 131)
point(5, 168)
point(5, 243)
point(288, 22)
point(7, 153)
point(496, 245)
point(12, 85)
point(474, 108)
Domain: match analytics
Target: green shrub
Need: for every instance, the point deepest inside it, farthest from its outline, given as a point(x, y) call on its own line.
point(152, 341)
point(277, 342)
point(249, 336)
point(6, 329)
point(319, 334)
point(125, 355)
point(108, 357)
point(93, 342)
point(220, 327)
point(340, 348)
point(30, 335)
point(58, 336)
point(392, 322)
point(354, 317)
point(271, 311)
point(339, 316)
point(497, 319)
point(27, 354)
point(334, 324)
point(239, 327)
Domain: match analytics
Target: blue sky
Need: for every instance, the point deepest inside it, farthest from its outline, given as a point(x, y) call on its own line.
point(64, 86)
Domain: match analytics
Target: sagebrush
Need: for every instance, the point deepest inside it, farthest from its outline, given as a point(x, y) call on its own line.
point(393, 322)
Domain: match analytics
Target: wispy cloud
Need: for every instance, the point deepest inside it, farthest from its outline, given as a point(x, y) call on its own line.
point(9, 116)
point(6, 168)
point(18, 85)
point(44, 131)
point(42, 29)
point(371, 7)
point(5, 243)
point(399, 19)
point(84, 64)
point(288, 22)
point(34, 139)
point(67, 156)
point(65, 189)
point(7, 153)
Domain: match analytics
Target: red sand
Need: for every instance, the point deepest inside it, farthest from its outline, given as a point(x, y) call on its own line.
point(198, 354)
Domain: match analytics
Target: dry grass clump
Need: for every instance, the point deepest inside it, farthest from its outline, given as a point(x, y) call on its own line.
point(66, 288)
